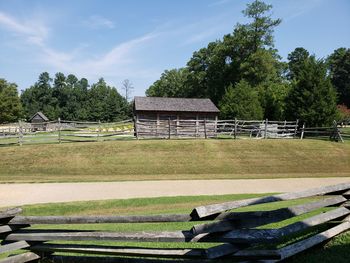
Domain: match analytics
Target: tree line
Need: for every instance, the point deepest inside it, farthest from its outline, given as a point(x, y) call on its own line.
point(244, 75)
point(65, 97)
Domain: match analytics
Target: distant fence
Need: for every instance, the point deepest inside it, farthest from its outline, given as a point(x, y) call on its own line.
point(336, 132)
point(146, 128)
point(241, 236)
point(62, 131)
point(65, 131)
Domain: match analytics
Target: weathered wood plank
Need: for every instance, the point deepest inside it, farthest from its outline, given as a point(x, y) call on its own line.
point(21, 258)
point(267, 235)
point(305, 244)
point(10, 212)
point(45, 235)
point(10, 228)
point(13, 246)
point(222, 250)
point(347, 194)
point(257, 254)
point(99, 219)
point(125, 251)
point(235, 220)
point(90, 259)
point(203, 211)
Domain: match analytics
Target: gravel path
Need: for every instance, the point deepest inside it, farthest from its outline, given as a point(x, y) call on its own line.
point(21, 194)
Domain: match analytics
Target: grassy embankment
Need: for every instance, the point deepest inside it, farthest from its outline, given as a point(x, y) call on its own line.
point(174, 160)
point(334, 251)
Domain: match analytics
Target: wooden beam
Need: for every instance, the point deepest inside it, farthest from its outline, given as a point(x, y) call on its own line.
point(13, 246)
point(11, 228)
point(99, 219)
point(124, 251)
point(10, 212)
point(21, 258)
point(235, 220)
point(305, 244)
point(203, 211)
point(347, 194)
point(222, 250)
point(267, 235)
point(90, 259)
point(46, 235)
point(250, 254)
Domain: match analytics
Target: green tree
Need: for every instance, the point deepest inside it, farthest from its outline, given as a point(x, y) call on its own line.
point(272, 96)
point(242, 102)
point(105, 103)
point(259, 33)
point(296, 61)
point(10, 104)
point(339, 65)
point(312, 98)
point(39, 97)
point(170, 84)
point(246, 54)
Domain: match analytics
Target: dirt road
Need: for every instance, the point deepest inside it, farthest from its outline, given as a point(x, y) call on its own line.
point(20, 194)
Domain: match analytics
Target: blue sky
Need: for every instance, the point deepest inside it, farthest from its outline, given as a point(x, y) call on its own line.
point(138, 40)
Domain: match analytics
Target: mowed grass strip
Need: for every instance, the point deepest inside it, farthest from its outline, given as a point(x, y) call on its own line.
point(334, 251)
point(174, 160)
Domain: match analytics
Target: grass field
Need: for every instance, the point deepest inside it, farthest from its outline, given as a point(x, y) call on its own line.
point(337, 250)
point(174, 159)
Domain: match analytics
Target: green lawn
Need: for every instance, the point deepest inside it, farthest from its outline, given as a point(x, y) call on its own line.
point(337, 250)
point(174, 159)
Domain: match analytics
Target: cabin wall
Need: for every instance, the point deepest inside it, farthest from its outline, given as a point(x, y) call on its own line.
point(178, 124)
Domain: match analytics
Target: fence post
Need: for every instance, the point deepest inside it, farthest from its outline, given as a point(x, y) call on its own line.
point(20, 133)
point(337, 131)
point(302, 132)
point(169, 128)
point(205, 128)
point(296, 128)
point(99, 130)
point(136, 130)
point(235, 130)
point(265, 135)
point(59, 130)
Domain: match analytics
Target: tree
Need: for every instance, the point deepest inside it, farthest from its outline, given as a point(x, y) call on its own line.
point(312, 98)
point(128, 88)
point(10, 104)
point(296, 61)
point(241, 102)
point(339, 65)
point(272, 97)
point(39, 97)
point(246, 54)
point(170, 84)
point(105, 103)
point(259, 33)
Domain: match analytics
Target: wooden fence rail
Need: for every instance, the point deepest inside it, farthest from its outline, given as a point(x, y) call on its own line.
point(236, 233)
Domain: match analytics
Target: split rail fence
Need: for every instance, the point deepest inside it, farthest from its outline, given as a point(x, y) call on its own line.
point(62, 131)
point(65, 131)
point(146, 128)
point(232, 236)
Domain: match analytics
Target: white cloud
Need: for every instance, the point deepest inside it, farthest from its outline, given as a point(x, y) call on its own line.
point(96, 22)
point(33, 31)
point(115, 61)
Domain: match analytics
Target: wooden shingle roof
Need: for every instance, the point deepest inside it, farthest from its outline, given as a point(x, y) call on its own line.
point(174, 104)
point(41, 115)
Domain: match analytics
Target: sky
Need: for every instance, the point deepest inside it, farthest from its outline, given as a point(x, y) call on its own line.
point(138, 40)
